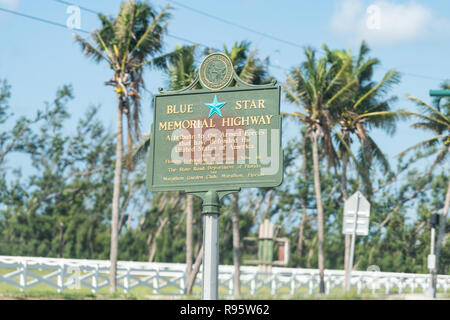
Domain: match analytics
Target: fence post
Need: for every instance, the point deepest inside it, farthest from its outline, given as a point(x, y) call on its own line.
point(273, 286)
point(156, 281)
point(292, 283)
point(95, 280)
point(23, 276)
point(126, 281)
point(60, 279)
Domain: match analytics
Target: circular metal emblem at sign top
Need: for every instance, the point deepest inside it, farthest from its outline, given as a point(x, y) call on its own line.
point(216, 71)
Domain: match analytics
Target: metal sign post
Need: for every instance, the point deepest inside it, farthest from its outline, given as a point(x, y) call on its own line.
point(434, 222)
point(211, 209)
point(356, 222)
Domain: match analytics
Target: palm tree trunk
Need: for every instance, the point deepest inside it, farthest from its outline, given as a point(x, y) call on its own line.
point(301, 229)
point(195, 269)
point(320, 219)
point(441, 233)
point(236, 249)
point(116, 201)
point(189, 233)
point(304, 200)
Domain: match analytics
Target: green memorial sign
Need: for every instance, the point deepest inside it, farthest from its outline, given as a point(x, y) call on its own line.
point(218, 137)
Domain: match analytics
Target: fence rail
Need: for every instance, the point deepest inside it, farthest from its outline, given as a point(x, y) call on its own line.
point(170, 278)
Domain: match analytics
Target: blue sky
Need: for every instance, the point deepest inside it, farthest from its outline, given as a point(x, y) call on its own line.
point(410, 36)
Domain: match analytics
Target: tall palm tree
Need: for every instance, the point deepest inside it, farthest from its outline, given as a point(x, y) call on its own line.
point(364, 109)
point(252, 70)
point(434, 119)
point(127, 43)
point(317, 85)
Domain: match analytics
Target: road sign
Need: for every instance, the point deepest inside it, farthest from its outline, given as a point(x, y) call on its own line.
point(362, 215)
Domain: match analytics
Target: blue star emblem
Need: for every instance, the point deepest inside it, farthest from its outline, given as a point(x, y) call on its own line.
point(215, 107)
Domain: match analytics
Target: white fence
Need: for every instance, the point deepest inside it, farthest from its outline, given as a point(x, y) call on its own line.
point(170, 278)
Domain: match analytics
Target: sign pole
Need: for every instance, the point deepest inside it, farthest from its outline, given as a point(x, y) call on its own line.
point(432, 264)
point(352, 247)
point(211, 209)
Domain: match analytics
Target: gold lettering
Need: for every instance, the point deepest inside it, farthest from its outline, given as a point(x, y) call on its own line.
point(261, 104)
point(226, 122)
point(238, 105)
point(163, 126)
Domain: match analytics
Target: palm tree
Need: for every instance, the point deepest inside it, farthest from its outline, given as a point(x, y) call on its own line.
point(127, 43)
point(434, 119)
point(317, 85)
point(364, 109)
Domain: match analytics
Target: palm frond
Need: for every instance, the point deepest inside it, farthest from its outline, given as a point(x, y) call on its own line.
point(89, 50)
point(387, 77)
point(428, 108)
point(429, 143)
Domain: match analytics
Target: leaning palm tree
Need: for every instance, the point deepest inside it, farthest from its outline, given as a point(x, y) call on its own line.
point(317, 85)
point(126, 43)
point(364, 109)
point(434, 119)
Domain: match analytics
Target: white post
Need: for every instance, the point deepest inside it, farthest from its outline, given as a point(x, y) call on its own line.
point(210, 256)
point(23, 276)
point(156, 281)
point(126, 281)
point(60, 279)
point(95, 280)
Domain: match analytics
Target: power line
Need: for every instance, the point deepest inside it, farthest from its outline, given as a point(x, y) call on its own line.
point(41, 20)
point(263, 34)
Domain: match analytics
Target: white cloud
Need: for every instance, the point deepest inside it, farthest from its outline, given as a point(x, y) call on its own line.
point(382, 22)
point(9, 4)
